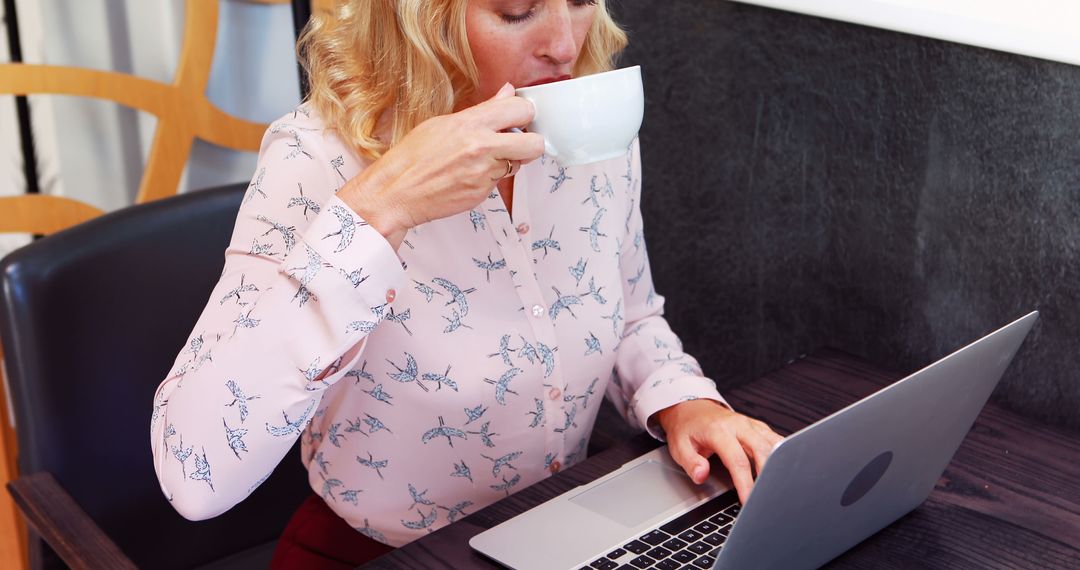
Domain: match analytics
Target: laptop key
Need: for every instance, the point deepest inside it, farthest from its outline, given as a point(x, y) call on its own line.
point(683, 556)
point(715, 539)
point(674, 544)
point(705, 527)
point(705, 562)
point(700, 513)
point(699, 548)
point(725, 530)
point(667, 565)
point(636, 546)
point(603, 564)
point(659, 552)
point(615, 554)
point(720, 519)
point(733, 510)
point(690, 535)
point(642, 562)
point(655, 537)
point(714, 552)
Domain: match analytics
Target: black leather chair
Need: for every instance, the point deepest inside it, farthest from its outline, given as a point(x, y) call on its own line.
point(91, 320)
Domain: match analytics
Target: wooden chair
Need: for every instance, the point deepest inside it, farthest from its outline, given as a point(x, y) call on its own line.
point(183, 114)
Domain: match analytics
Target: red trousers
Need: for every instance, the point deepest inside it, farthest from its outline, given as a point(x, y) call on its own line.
point(316, 538)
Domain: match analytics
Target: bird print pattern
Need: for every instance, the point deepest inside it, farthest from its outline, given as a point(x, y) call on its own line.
point(304, 202)
point(462, 470)
point(370, 462)
point(424, 383)
point(255, 187)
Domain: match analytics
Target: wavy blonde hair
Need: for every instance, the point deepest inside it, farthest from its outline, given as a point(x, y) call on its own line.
point(412, 56)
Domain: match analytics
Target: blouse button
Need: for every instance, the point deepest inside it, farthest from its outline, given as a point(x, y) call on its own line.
point(390, 295)
point(555, 466)
point(523, 228)
point(537, 311)
point(554, 393)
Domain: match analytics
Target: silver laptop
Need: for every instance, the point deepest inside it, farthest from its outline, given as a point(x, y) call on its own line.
point(824, 489)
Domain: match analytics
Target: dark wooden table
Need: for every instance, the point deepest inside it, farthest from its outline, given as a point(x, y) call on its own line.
point(1009, 499)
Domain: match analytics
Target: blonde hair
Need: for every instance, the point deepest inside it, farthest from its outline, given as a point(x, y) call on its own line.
point(409, 56)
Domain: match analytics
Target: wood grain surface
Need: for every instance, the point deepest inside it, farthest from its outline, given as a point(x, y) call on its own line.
point(1009, 499)
point(56, 517)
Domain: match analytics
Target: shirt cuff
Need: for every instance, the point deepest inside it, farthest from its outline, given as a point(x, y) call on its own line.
point(343, 262)
point(650, 399)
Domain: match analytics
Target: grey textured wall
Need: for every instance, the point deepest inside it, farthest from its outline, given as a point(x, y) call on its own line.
point(811, 182)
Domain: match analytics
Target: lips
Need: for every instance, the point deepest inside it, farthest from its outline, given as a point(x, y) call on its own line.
point(547, 80)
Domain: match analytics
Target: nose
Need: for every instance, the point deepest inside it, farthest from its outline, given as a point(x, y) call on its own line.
point(559, 47)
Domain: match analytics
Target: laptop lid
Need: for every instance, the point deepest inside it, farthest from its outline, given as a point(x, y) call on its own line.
point(832, 484)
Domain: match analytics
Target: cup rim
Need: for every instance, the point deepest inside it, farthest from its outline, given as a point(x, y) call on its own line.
point(583, 78)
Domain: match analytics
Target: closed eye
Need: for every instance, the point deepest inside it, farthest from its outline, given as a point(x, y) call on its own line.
point(527, 15)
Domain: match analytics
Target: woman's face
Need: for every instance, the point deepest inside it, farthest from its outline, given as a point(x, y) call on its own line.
point(525, 42)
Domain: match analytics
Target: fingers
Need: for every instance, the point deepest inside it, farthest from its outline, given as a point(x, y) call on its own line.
point(735, 460)
point(504, 172)
point(743, 445)
point(501, 112)
point(502, 169)
point(770, 435)
point(525, 147)
point(685, 454)
point(505, 91)
point(757, 446)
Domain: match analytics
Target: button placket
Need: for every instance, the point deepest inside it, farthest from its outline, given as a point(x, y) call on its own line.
point(520, 260)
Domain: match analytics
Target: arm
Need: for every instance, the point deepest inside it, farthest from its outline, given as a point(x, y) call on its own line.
point(654, 372)
point(666, 390)
point(304, 281)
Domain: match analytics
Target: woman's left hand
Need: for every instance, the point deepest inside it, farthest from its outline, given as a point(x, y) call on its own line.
point(698, 428)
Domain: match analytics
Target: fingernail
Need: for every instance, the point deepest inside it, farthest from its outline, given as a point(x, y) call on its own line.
point(700, 472)
point(505, 89)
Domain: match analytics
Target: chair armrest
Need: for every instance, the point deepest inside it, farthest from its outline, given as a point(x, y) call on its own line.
point(64, 526)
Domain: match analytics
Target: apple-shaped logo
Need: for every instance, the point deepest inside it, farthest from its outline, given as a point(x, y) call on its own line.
point(866, 479)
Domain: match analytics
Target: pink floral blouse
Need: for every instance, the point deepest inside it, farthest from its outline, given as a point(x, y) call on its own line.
point(424, 383)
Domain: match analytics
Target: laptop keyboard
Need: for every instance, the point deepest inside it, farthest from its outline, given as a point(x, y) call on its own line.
point(691, 541)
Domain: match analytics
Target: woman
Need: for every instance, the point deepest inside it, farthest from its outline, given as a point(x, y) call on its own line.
point(431, 305)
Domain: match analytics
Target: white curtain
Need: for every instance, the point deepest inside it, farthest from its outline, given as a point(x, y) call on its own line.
point(94, 150)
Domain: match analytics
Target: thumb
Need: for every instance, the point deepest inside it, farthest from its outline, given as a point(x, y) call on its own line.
point(684, 453)
point(505, 91)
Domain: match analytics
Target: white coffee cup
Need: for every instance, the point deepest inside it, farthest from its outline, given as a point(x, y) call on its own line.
point(590, 118)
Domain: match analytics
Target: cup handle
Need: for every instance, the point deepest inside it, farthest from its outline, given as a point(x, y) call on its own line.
point(548, 149)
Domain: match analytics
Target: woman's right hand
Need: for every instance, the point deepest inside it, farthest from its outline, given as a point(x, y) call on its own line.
point(446, 165)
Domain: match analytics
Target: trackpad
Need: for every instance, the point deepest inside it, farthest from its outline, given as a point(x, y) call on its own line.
point(640, 493)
